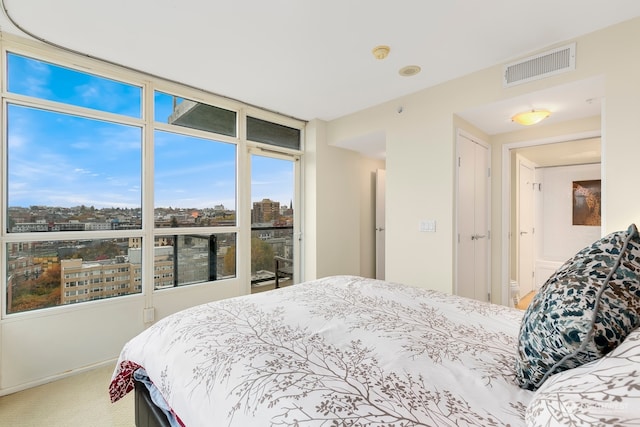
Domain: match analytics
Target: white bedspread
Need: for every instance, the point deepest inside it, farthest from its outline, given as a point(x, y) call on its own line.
point(341, 350)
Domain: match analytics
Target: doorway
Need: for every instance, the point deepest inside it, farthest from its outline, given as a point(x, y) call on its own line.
point(473, 218)
point(551, 153)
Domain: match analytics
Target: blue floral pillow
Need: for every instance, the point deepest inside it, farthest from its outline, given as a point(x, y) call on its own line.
point(585, 309)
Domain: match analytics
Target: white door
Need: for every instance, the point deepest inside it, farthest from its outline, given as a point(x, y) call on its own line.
point(525, 226)
point(473, 201)
point(380, 221)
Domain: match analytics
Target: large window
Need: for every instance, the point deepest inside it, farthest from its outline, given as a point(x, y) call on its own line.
point(96, 180)
point(73, 148)
point(194, 191)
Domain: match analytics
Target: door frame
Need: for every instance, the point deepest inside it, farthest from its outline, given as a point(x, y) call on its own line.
point(522, 161)
point(462, 133)
point(245, 264)
point(505, 255)
point(380, 234)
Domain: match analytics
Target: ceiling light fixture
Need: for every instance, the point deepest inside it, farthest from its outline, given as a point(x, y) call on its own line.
point(532, 117)
point(381, 52)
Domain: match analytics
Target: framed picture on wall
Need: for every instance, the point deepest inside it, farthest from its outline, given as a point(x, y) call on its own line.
point(586, 202)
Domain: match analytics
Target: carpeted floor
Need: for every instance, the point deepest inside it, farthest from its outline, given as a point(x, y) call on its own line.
point(80, 400)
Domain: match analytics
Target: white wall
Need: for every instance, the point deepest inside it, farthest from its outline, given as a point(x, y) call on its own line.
point(560, 239)
point(557, 239)
point(43, 345)
point(420, 154)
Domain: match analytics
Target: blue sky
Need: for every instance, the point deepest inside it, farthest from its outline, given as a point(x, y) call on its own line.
point(57, 159)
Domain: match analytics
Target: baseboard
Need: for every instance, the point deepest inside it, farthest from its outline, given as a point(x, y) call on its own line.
point(50, 379)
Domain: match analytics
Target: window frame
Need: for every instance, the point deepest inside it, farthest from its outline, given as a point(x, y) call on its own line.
point(296, 159)
point(148, 84)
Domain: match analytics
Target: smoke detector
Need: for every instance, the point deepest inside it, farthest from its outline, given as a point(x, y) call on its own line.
point(381, 52)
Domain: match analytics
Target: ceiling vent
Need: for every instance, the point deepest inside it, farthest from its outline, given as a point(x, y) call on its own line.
point(539, 66)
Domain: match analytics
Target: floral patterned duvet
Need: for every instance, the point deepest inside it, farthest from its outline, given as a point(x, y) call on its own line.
point(341, 350)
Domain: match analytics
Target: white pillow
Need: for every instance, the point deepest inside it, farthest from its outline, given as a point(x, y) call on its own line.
point(603, 392)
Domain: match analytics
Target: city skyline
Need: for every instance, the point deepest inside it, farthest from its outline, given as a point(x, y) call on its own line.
point(89, 218)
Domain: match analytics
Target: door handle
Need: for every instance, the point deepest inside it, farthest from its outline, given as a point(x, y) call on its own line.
point(524, 232)
point(379, 228)
point(478, 236)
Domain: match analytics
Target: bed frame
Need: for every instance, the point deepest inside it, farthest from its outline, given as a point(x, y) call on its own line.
point(147, 413)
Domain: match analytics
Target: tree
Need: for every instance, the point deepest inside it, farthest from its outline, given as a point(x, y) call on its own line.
point(38, 293)
point(261, 255)
point(229, 263)
point(50, 279)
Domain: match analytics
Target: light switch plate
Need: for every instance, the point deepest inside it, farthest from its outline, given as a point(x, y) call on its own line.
point(427, 226)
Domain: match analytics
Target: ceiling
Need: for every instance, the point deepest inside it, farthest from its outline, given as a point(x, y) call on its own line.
point(313, 59)
point(576, 152)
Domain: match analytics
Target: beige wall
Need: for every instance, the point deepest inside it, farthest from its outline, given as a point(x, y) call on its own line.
point(421, 149)
point(339, 200)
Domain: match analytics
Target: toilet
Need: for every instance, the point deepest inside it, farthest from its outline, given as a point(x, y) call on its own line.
point(514, 292)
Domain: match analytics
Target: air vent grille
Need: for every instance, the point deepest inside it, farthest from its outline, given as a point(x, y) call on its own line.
point(539, 66)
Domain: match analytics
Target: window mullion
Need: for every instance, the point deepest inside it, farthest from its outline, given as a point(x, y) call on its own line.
point(243, 213)
point(148, 237)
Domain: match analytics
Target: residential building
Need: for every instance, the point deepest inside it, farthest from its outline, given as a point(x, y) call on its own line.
point(266, 211)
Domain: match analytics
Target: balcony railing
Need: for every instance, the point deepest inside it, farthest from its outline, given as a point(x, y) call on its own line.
point(269, 245)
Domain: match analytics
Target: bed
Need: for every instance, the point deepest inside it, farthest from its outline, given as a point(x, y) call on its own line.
point(334, 349)
point(345, 351)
